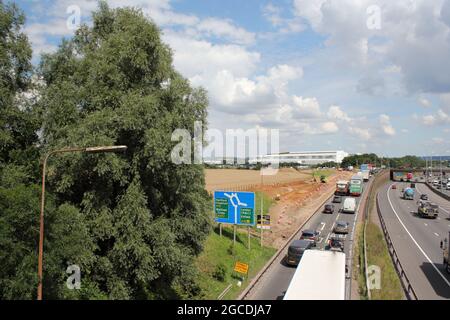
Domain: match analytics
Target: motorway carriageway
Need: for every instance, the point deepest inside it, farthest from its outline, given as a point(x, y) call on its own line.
point(417, 240)
point(275, 281)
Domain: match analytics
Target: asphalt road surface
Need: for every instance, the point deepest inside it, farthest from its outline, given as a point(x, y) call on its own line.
point(275, 281)
point(417, 240)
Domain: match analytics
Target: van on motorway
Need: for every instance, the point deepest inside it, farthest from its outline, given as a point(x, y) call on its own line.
point(296, 250)
point(349, 205)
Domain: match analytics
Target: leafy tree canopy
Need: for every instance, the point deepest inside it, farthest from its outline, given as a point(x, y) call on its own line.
point(114, 84)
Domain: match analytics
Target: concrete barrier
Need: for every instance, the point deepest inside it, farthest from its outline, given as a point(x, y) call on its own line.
point(441, 194)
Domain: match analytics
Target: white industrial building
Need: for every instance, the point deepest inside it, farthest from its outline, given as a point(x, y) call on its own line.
point(304, 158)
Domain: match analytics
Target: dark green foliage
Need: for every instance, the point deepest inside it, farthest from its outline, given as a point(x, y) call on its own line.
point(133, 222)
point(231, 250)
point(18, 123)
point(114, 84)
point(220, 272)
point(403, 162)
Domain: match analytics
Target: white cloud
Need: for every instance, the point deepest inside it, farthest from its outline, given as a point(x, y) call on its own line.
point(329, 127)
point(306, 107)
point(438, 140)
point(439, 118)
point(284, 26)
point(414, 37)
point(360, 133)
point(335, 112)
point(226, 29)
point(386, 126)
point(424, 102)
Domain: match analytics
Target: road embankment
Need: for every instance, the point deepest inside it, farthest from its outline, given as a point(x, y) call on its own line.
point(381, 281)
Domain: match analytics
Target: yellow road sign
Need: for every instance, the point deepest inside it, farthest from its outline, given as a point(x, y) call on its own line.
point(241, 267)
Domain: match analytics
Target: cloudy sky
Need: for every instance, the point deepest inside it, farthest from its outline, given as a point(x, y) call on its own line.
point(356, 75)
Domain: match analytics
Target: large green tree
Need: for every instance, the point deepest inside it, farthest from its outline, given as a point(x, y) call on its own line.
point(18, 122)
point(66, 230)
point(114, 84)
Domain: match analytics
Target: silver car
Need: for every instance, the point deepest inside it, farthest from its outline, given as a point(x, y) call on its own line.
point(341, 227)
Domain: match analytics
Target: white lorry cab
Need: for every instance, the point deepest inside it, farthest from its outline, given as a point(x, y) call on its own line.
point(349, 205)
point(320, 275)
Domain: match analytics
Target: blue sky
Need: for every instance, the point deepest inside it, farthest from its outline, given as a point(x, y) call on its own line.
point(357, 75)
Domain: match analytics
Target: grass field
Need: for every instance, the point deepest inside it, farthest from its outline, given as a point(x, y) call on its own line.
point(218, 251)
point(358, 260)
point(267, 202)
point(323, 172)
point(378, 255)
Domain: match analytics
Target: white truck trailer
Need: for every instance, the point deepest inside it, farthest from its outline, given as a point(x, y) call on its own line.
point(365, 175)
point(320, 275)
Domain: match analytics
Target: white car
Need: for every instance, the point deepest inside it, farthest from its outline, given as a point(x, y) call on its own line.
point(448, 186)
point(349, 205)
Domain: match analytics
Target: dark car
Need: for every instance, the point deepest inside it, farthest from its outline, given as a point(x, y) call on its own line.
point(394, 186)
point(336, 242)
point(311, 235)
point(329, 208)
point(424, 197)
point(295, 251)
point(337, 199)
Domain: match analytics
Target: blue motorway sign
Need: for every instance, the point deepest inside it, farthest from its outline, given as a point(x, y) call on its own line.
point(234, 207)
point(364, 167)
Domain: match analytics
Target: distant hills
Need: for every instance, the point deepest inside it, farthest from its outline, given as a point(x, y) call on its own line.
point(434, 158)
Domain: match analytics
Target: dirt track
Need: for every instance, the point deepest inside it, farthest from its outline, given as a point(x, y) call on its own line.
point(234, 179)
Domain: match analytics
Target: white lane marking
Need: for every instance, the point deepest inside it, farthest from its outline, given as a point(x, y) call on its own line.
point(415, 242)
point(444, 209)
point(437, 235)
point(426, 225)
point(323, 225)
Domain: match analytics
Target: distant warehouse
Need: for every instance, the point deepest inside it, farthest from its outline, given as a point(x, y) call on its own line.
point(304, 158)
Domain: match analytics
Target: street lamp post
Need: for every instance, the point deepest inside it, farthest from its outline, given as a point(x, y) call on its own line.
point(41, 223)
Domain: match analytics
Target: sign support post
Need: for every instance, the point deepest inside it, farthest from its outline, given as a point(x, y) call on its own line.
point(262, 203)
point(248, 230)
point(236, 208)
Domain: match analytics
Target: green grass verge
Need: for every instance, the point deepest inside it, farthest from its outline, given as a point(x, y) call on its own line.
point(323, 172)
point(267, 202)
point(358, 262)
point(218, 251)
point(378, 255)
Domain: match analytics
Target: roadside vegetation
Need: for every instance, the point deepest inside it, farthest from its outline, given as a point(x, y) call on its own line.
point(216, 263)
point(267, 203)
point(378, 255)
point(133, 222)
point(322, 172)
point(358, 262)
